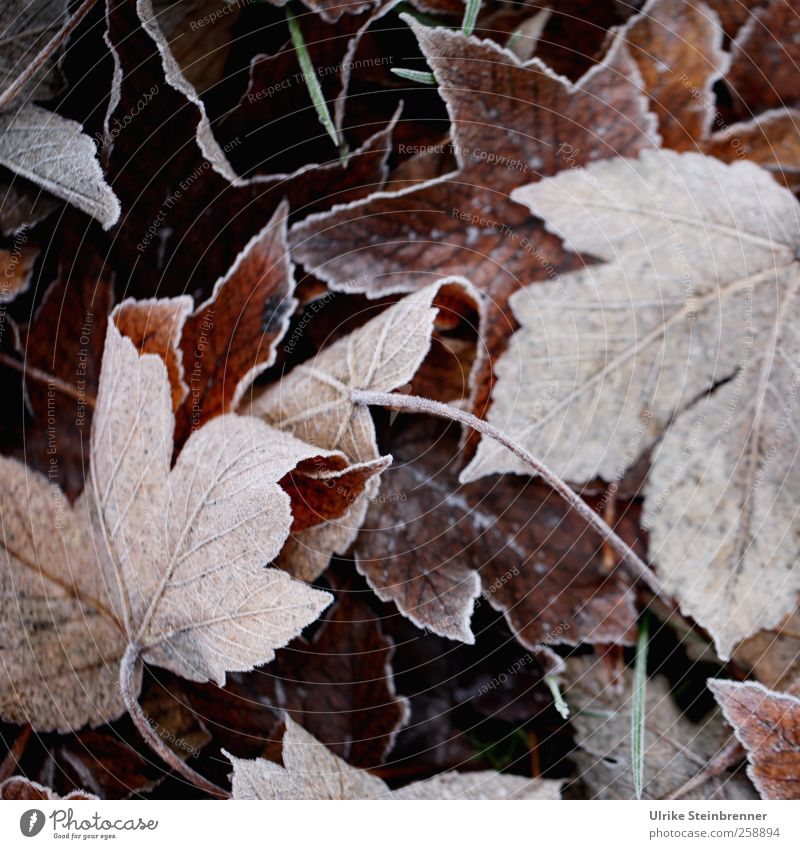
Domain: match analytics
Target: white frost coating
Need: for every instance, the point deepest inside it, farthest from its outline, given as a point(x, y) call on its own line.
point(57, 155)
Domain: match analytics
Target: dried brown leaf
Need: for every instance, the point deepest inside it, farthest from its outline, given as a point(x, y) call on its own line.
point(767, 724)
point(19, 789)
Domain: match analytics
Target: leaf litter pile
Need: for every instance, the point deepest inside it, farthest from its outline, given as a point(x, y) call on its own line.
point(401, 399)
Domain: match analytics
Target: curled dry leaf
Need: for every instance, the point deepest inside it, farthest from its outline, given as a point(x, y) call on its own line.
point(215, 351)
point(696, 300)
point(674, 748)
point(20, 789)
point(767, 724)
point(54, 153)
point(432, 546)
point(313, 403)
point(311, 771)
point(171, 562)
point(65, 339)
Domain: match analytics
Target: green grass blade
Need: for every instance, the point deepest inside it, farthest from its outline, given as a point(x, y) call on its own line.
point(470, 16)
point(638, 713)
point(558, 700)
point(310, 77)
point(415, 76)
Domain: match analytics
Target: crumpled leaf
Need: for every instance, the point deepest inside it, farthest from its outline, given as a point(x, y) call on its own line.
point(433, 546)
point(18, 788)
point(767, 724)
point(172, 561)
point(700, 255)
point(187, 213)
point(311, 771)
point(675, 749)
point(513, 122)
point(313, 403)
point(339, 686)
point(55, 153)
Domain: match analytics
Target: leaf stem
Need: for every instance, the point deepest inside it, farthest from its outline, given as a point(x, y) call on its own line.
point(145, 727)
point(45, 377)
point(638, 568)
point(44, 54)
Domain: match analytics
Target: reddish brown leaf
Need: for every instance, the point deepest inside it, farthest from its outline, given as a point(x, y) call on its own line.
point(430, 545)
point(765, 58)
point(65, 339)
point(767, 724)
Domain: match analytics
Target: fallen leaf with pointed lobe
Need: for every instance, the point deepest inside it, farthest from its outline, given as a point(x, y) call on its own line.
point(311, 771)
point(767, 724)
point(170, 560)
